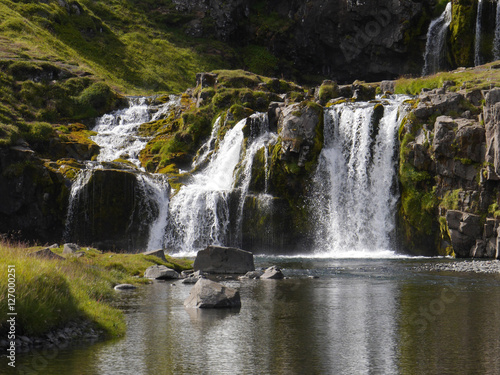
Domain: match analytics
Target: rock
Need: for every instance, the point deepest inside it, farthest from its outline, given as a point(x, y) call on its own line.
point(156, 253)
point(209, 294)
point(252, 275)
point(160, 272)
point(125, 287)
point(218, 259)
point(388, 87)
point(444, 135)
point(193, 278)
point(273, 273)
point(47, 253)
point(70, 248)
point(297, 126)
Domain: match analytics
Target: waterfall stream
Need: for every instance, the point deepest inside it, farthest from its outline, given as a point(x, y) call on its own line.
point(477, 39)
point(496, 40)
point(435, 47)
point(354, 196)
point(117, 136)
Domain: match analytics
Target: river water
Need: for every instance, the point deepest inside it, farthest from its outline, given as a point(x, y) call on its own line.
point(360, 316)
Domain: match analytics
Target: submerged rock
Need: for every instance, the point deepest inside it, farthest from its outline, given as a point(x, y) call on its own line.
point(209, 294)
point(273, 273)
point(218, 259)
point(125, 287)
point(160, 272)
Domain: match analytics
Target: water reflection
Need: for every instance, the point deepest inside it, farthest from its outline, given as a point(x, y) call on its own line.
point(359, 317)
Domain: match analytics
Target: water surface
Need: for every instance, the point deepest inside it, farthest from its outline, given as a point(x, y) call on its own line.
point(360, 316)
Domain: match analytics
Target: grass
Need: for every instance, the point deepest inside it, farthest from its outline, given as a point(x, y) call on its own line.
point(50, 293)
point(483, 77)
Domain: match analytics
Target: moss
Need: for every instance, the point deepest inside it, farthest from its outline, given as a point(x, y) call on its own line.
point(327, 91)
point(462, 32)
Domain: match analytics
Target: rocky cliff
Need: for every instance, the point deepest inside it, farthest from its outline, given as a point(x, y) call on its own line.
point(449, 171)
point(342, 40)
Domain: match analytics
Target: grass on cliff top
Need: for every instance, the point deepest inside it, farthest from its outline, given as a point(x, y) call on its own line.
point(481, 77)
point(118, 41)
point(50, 293)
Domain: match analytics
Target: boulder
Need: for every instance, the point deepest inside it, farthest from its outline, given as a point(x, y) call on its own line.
point(47, 253)
point(160, 272)
point(273, 273)
point(157, 253)
point(193, 278)
point(218, 259)
point(125, 287)
point(70, 248)
point(252, 275)
point(209, 294)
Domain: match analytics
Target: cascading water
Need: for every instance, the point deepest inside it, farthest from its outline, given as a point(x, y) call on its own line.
point(477, 39)
point(201, 212)
point(435, 48)
point(354, 195)
point(118, 139)
point(496, 41)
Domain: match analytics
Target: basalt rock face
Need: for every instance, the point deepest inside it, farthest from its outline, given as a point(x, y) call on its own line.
point(342, 40)
point(449, 173)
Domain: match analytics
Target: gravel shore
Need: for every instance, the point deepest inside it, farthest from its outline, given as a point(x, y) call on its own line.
point(478, 266)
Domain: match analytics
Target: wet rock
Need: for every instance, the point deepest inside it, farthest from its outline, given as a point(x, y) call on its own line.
point(209, 294)
point(160, 272)
point(252, 275)
point(125, 287)
point(218, 259)
point(272, 273)
point(193, 278)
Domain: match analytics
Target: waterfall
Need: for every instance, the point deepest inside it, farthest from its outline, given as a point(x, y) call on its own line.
point(435, 47)
point(208, 209)
point(496, 41)
point(477, 39)
point(118, 139)
point(208, 147)
point(354, 185)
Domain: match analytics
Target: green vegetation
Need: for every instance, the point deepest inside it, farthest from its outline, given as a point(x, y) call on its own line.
point(50, 293)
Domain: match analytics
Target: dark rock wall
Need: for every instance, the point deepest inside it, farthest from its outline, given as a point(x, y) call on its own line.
point(342, 40)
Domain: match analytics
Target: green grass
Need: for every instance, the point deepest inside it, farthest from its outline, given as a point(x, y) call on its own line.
point(51, 293)
point(482, 77)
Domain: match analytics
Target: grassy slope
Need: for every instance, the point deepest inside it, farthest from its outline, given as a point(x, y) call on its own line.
point(50, 293)
point(116, 40)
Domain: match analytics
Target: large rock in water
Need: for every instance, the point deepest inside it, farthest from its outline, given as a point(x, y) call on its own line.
point(160, 272)
point(209, 294)
point(218, 259)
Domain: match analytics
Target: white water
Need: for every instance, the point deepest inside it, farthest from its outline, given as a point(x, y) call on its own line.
point(354, 197)
point(208, 147)
point(496, 41)
point(117, 138)
point(200, 213)
point(477, 39)
point(435, 48)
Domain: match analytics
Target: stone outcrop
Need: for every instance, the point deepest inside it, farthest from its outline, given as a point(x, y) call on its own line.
point(224, 260)
point(272, 273)
point(209, 294)
point(160, 272)
point(449, 173)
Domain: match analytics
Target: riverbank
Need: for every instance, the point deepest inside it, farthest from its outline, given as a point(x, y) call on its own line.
point(48, 295)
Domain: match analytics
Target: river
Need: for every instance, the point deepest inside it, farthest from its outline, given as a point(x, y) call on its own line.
point(359, 316)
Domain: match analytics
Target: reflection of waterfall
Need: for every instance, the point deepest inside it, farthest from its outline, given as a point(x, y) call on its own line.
point(477, 40)
point(496, 41)
point(435, 48)
point(202, 212)
point(139, 198)
point(354, 186)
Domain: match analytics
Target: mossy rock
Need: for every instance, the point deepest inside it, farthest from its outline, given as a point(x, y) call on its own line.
point(462, 34)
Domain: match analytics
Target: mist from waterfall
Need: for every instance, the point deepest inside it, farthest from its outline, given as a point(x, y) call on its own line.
point(435, 47)
point(355, 190)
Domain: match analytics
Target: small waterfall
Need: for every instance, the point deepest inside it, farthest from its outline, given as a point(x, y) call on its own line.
point(496, 41)
point(210, 206)
point(206, 149)
point(477, 39)
point(354, 186)
point(435, 48)
point(117, 138)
